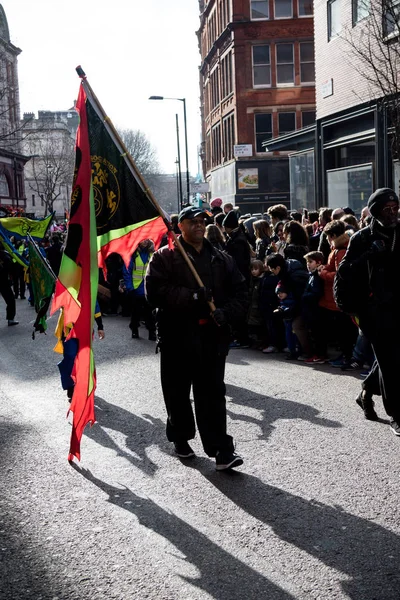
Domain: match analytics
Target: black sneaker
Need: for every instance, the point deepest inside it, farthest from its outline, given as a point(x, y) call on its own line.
point(395, 427)
point(152, 337)
point(11, 322)
point(135, 334)
point(351, 365)
point(367, 405)
point(183, 450)
point(227, 460)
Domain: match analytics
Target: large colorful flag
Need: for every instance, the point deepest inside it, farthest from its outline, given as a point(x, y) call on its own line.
point(11, 249)
point(42, 281)
point(20, 227)
point(110, 212)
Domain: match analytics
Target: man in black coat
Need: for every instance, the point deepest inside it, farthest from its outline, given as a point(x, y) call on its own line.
point(6, 267)
point(367, 285)
point(193, 340)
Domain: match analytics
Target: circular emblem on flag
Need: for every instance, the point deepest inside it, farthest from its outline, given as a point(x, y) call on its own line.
point(105, 190)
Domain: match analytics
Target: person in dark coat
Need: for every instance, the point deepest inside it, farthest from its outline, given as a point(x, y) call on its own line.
point(6, 269)
point(194, 340)
point(237, 245)
point(367, 285)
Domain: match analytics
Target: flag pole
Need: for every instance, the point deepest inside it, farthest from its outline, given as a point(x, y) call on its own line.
point(89, 91)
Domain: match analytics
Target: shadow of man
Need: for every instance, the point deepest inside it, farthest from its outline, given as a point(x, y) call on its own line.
point(221, 575)
point(366, 553)
point(141, 431)
point(272, 410)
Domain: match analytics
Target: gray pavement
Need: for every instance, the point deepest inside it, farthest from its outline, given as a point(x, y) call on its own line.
point(313, 513)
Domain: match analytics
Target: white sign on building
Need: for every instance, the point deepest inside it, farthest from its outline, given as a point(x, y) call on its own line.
point(200, 188)
point(327, 88)
point(242, 150)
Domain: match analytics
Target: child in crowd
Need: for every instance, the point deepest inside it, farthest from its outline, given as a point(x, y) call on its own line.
point(286, 309)
point(255, 321)
point(312, 295)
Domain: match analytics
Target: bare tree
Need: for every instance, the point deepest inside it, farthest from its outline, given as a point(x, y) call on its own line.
point(375, 53)
point(50, 171)
point(141, 150)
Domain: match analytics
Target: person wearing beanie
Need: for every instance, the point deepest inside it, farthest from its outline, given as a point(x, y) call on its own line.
point(216, 206)
point(367, 285)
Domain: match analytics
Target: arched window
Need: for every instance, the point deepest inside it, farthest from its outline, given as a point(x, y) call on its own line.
point(4, 189)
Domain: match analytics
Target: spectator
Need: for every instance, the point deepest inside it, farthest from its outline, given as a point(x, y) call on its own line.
point(237, 245)
point(262, 232)
point(228, 206)
point(277, 213)
point(286, 310)
point(255, 322)
point(216, 206)
point(294, 277)
point(351, 222)
point(323, 219)
point(296, 241)
point(215, 237)
point(331, 319)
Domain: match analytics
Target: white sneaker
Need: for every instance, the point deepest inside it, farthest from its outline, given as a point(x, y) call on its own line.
point(270, 350)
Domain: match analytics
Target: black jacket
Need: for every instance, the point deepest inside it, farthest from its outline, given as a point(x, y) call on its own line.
point(238, 247)
point(169, 286)
point(368, 274)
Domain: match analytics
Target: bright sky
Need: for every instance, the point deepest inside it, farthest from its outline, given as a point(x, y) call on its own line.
point(129, 49)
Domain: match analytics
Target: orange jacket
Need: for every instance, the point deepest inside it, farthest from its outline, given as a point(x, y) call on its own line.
point(328, 273)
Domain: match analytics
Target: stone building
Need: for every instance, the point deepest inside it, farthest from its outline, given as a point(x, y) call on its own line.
point(257, 81)
point(49, 140)
point(12, 161)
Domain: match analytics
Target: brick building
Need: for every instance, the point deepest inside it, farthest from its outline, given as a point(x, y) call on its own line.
point(257, 81)
point(12, 190)
point(349, 148)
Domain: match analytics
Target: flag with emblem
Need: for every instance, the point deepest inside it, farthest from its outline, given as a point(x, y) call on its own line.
point(110, 212)
point(42, 280)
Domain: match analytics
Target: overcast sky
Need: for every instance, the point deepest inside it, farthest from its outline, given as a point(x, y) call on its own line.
point(129, 49)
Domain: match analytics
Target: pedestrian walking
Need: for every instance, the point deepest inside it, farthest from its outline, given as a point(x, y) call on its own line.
point(367, 286)
point(194, 343)
point(6, 269)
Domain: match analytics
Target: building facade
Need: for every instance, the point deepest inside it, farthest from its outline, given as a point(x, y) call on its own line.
point(257, 81)
point(49, 140)
point(351, 150)
point(12, 161)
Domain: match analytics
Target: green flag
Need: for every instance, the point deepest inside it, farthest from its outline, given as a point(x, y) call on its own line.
point(43, 281)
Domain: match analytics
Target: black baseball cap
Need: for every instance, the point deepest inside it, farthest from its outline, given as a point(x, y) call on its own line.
point(190, 212)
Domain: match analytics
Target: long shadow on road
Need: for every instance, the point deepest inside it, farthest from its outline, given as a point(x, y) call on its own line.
point(222, 576)
point(366, 554)
point(273, 409)
point(140, 431)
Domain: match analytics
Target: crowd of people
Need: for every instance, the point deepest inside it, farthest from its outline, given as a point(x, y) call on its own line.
point(317, 287)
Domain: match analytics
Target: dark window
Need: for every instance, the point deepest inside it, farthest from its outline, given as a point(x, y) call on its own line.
point(261, 66)
point(334, 26)
point(308, 117)
point(391, 17)
point(287, 122)
point(4, 190)
point(33, 200)
point(283, 9)
point(360, 10)
point(228, 125)
point(259, 9)
point(305, 8)
point(284, 64)
point(307, 69)
point(263, 126)
point(41, 200)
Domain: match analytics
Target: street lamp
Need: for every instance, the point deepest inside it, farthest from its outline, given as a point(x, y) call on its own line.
point(186, 141)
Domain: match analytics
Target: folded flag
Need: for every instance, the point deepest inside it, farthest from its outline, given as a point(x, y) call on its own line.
point(43, 281)
point(20, 227)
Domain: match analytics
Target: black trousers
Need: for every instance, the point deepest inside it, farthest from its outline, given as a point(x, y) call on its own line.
point(19, 281)
point(195, 362)
point(140, 309)
point(9, 299)
point(335, 325)
point(382, 328)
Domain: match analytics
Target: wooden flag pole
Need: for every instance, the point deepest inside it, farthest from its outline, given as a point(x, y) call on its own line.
point(89, 92)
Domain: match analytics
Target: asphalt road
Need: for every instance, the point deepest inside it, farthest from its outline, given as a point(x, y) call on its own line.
point(312, 514)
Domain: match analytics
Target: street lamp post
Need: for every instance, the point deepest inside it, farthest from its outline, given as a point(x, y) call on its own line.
point(186, 140)
point(179, 164)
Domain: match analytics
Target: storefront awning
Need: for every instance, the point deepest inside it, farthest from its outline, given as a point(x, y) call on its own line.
point(301, 139)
